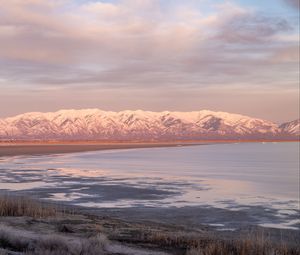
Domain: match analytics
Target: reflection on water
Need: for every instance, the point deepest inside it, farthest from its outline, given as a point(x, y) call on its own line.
point(20, 186)
point(232, 176)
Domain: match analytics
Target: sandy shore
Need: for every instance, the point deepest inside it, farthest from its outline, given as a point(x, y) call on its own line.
point(14, 149)
point(8, 148)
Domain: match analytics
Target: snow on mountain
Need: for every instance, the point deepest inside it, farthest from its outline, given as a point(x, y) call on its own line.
point(135, 125)
point(292, 127)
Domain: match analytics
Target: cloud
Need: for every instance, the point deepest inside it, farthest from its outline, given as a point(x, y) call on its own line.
point(137, 45)
point(293, 3)
point(287, 54)
point(252, 28)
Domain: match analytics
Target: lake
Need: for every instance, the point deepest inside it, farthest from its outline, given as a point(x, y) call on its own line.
point(260, 180)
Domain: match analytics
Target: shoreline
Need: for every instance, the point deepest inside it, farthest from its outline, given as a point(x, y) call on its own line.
point(18, 148)
point(40, 220)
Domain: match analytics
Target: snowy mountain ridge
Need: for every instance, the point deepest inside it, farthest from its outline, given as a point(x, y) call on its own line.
point(292, 127)
point(141, 125)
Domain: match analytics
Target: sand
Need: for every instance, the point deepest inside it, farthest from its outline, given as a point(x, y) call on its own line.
point(12, 149)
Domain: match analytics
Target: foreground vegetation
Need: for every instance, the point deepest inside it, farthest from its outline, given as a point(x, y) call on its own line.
point(30, 227)
point(23, 206)
point(22, 242)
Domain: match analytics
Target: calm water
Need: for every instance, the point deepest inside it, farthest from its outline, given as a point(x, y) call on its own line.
point(231, 176)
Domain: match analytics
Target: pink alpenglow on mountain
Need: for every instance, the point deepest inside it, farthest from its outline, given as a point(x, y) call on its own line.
point(292, 127)
point(142, 125)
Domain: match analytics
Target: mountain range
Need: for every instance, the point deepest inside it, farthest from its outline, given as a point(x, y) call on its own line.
point(95, 124)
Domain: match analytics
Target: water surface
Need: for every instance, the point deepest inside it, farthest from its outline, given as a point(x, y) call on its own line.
point(261, 179)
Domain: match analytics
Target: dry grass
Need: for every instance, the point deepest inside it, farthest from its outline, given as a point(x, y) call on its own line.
point(171, 239)
point(197, 244)
point(30, 244)
point(23, 206)
point(242, 247)
point(57, 245)
point(71, 239)
point(14, 240)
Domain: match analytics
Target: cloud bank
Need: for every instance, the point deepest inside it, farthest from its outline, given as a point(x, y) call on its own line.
point(141, 45)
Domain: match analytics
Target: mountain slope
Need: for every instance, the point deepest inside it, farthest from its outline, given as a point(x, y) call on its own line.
point(138, 125)
point(292, 127)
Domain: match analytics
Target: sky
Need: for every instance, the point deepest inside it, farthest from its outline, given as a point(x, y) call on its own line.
point(237, 56)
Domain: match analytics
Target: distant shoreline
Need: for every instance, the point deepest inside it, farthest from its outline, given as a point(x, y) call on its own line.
point(16, 148)
point(42, 148)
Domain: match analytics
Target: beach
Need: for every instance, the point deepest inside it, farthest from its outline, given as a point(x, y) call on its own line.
point(40, 148)
point(12, 148)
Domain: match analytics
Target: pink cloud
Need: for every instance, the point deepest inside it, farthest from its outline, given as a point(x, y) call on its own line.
point(138, 44)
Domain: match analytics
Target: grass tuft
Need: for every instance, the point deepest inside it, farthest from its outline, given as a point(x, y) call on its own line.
point(23, 206)
point(242, 247)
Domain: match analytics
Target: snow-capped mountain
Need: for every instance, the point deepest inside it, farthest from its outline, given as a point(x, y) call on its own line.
point(292, 127)
point(138, 125)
